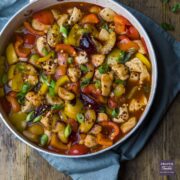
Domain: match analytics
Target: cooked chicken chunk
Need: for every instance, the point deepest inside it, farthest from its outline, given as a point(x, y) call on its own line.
point(121, 71)
point(141, 50)
point(97, 59)
point(46, 121)
point(137, 104)
point(109, 44)
point(134, 77)
point(49, 66)
point(27, 107)
point(74, 73)
point(90, 141)
point(127, 126)
point(34, 98)
point(103, 35)
point(62, 19)
point(82, 58)
point(106, 83)
point(135, 65)
point(75, 16)
point(107, 14)
point(123, 114)
point(96, 129)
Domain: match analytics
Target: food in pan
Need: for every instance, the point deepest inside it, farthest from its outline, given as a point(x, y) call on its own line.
point(75, 78)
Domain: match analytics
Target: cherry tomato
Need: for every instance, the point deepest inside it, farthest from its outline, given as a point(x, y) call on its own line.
point(112, 103)
point(29, 39)
point(45, 17)
point(78, 149)
point(133, 33)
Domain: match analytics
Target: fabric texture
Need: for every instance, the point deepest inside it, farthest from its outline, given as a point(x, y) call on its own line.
point(106, 165)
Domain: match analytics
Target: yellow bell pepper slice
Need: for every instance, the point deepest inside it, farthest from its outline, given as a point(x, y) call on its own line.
point(72, 110)
point(144, 60)
point(11, 72)
point(44, 87)
point(46, 58)
point(61, 81)
point(11, 54)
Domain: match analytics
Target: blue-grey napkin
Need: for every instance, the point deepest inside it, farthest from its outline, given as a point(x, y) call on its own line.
point(106, 165)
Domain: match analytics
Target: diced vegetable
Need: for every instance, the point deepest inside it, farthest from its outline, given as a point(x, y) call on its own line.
point(61, 81)
point(43, 140)
point(18, 120)
point(67, 131)
point(119, 90)
point(144, 60)
point(36, 129)
point(31, 30)
point(11, 54)
point(90, 19)
point(66, 48)
point(80, 118)
point(45, 17)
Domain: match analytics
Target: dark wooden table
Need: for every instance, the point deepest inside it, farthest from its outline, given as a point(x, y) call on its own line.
point(19, 162)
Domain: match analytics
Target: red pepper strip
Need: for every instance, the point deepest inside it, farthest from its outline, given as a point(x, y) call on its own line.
point(31, 30)
point(113, 126)
point(21, 52)
point(103, 140)
point(66, 48)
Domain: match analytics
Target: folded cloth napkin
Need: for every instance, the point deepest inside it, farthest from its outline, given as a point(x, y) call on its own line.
point(106, 165)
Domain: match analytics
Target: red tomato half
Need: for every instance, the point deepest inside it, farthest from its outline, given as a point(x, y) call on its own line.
point(133, 33)
point(78, 149)
point(45, 17)
point(29, 39)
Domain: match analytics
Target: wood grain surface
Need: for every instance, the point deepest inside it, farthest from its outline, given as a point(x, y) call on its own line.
point(19, 162)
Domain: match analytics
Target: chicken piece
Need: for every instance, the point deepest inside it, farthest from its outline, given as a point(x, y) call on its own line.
point(106, 83)
point(75, 16)
point(46, 120)
point(49, 66)
point(82, 58)
point(74, 73)
point(102, 117)
point(121, 71)
point(97, 59)
point(62, 19)
point(53, 100)
point(123, 114)
point(34, 98)
point(135, 65)
point(127, 126)
point(137, 104)
point(103, 35)
point(27, 107)
point(142, 49)
point(109, 44)
point(90, 141)
point(96, 129)
point(134, 77)
point(107, 14)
